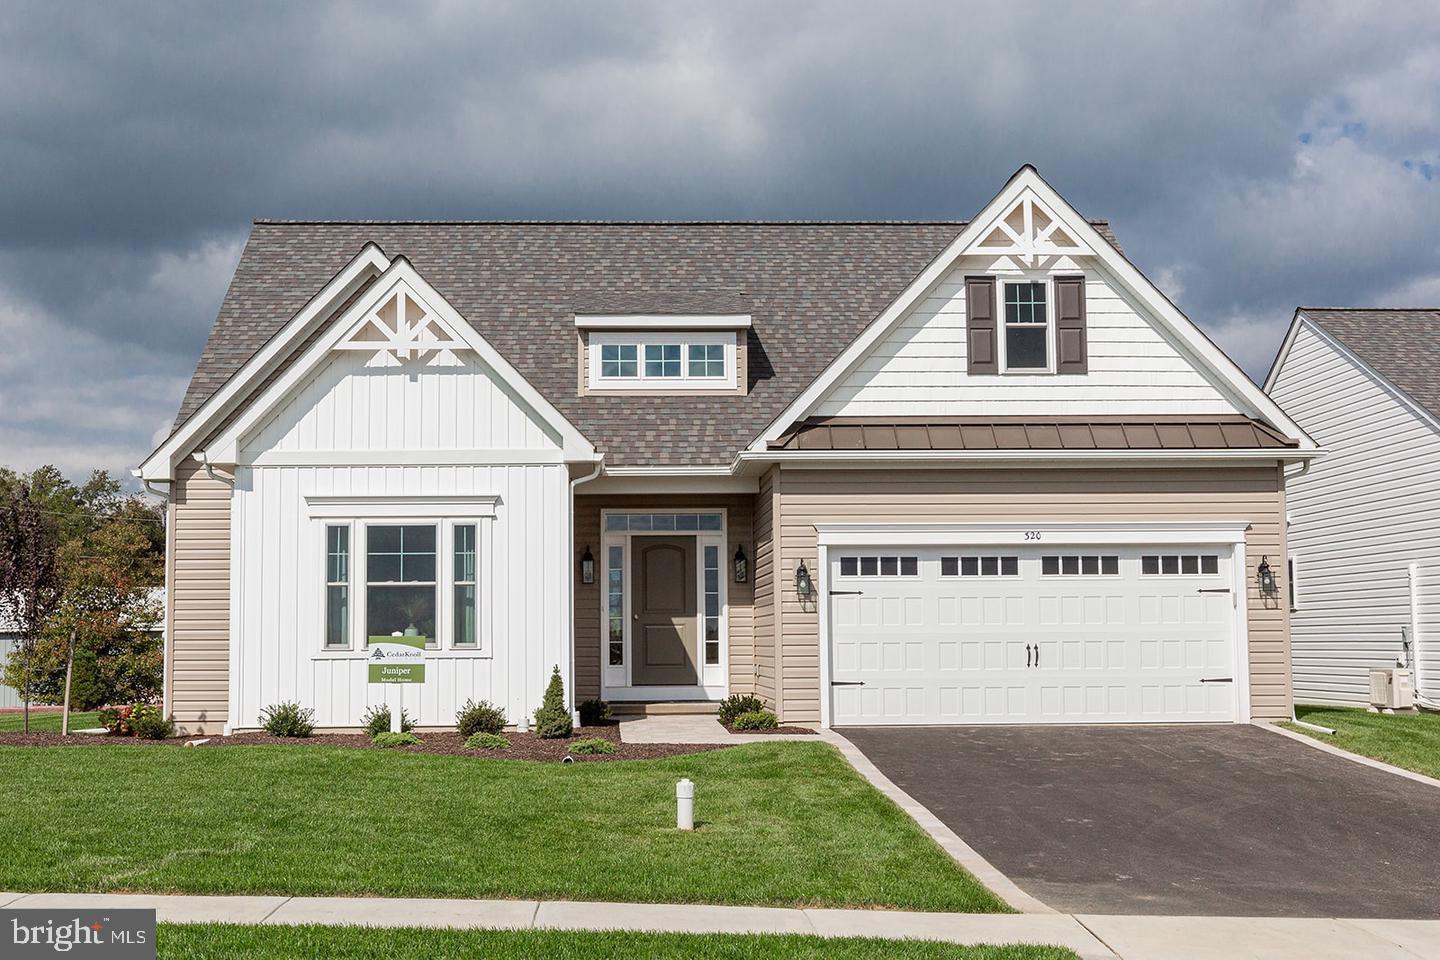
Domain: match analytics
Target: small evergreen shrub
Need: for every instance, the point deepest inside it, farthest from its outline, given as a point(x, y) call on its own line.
point(755, 720)
point(595, 711)
point(150, 723)
point(732, 707)
point(377, 720)
point(552, 720)
point(593, 745)
point(485, 740)
point(388, 739)
point(482, 717)
point(289, 720)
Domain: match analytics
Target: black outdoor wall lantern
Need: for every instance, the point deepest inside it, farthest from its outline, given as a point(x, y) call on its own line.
point(1266, 578)
point(804, 586)
point(587, 566)
point(742, 565)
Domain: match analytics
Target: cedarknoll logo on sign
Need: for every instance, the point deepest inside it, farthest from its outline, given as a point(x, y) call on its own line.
point(397, 659)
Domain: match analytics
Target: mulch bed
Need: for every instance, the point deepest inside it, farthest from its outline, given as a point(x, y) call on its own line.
point(523, 746)
point(792, 730)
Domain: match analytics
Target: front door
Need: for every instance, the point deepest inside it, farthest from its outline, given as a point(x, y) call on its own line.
point(665, 635)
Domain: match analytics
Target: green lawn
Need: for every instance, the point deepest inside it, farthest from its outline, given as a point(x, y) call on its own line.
point(48, 722)
point(217, 942)
point(1409, 740)
point(779, 824)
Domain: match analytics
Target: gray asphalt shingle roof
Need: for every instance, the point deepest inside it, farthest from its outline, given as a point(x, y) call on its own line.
point(1403, 346)
point(810, 287)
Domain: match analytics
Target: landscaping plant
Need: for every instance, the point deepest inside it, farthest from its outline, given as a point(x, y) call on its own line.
point(150, 723)
point(388, 739)
point(755, 720)
point(593, 712)
point(592, 746)
point(290, 720)
point(552, 720)
point(487, 741)
point(377, 720)
point(732, 706)
point(482, 717)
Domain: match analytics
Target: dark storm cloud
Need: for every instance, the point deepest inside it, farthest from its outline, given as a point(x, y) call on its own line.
point(1251, 157)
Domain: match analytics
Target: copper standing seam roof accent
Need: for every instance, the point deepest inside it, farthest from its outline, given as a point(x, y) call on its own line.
point(1056, 433)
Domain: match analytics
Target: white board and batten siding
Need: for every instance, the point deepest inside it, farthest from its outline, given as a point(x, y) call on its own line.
point(397, 434)
point(919, 369)
point(1359, 519)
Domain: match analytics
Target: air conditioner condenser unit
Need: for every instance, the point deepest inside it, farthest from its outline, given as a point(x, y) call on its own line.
point(1391, 690)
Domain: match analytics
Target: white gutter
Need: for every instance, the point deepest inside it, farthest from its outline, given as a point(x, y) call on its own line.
point(204, 461)
point(570, 594)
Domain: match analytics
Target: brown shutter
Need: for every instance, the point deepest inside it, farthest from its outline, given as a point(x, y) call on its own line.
point(1072, 352)
point(980, 325)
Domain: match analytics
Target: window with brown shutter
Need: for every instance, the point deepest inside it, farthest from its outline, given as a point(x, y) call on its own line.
point(982, 356)
point(1072, 353)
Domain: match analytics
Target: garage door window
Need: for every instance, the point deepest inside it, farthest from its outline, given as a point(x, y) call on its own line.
point(1080, 565)
point(880, 566)
point(1183, 564)
point(979, 566)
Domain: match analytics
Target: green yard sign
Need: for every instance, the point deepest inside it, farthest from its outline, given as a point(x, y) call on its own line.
point(397, 659)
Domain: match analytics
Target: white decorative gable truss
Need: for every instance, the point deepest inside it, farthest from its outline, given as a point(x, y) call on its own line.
point(1032, 225)
point(1029, 233)
point(398, 318)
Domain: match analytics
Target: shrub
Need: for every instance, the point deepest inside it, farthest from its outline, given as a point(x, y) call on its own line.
point(485, 740)
point(482, 717)
point(732, 707)
point(552, 720)
point(755, 720)
point(377, 720)
point(595, 711)
point(149, 721)
point(593, 745)
point(388, 739)
point(117, 721)
point(289, 720)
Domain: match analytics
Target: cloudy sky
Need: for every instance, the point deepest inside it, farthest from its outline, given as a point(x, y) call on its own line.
point(1251, 157)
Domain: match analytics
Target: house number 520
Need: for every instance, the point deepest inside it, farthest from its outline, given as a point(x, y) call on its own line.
point(1032, 534)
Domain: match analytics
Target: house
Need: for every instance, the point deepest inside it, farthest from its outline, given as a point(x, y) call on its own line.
point(1364, 523)
point(938, 472)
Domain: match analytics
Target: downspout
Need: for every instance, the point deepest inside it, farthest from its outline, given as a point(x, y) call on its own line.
point(204, 461)
point(1294, 718)
point(164, 497)
point(570, 594)
point(1411, 645)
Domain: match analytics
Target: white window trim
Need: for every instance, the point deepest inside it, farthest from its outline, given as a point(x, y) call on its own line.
point(444, 647)
point(1050, 344)
point(641, 339)
point(1293, 572)
point(349, 583)
point(635, 321)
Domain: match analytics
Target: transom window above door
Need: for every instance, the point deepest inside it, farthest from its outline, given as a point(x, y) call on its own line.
point(645, 360)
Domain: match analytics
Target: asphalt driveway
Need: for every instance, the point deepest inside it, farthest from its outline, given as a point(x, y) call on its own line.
point(1200, 820)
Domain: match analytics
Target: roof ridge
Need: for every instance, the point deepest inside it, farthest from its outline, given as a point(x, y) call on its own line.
point(274, 221)
point(1375, 309)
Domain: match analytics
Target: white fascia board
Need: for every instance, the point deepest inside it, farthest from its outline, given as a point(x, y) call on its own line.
point(652, 321)
point(160, 465)
point(660, 470)
point(225, 447)
point(1034, 533)
point(352, 507)
point(1296, 322)
point(1187, 335)
point(880, 459)
point(704, 485)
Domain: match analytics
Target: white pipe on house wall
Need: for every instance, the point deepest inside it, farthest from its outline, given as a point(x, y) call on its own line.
point(570, 594)
point(1417, 660)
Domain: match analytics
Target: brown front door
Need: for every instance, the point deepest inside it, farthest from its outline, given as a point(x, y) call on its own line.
point(666, 635)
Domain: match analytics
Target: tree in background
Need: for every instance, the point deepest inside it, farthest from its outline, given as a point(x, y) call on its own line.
point(29, 586)
point(106, 558)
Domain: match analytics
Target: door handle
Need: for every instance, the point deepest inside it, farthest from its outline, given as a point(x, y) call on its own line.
point(1217, 679)
point(1037, 654)
point(847, 683)
point(1027, 656)
point(846, 593)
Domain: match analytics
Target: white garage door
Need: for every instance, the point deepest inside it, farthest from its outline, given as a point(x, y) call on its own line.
point(1031, 635)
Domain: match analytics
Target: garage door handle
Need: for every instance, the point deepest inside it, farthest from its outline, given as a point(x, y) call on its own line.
point(847, 683)
point(1217, 679)
point(1027, 654)
point(1213, 590)
point(846, 593)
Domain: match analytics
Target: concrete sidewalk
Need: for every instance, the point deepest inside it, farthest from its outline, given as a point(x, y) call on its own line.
point(1092, 937)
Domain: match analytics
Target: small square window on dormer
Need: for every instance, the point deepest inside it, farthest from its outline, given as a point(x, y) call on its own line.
point(640, 354)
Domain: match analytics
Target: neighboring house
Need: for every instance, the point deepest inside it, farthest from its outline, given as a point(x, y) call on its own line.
point(1365, 520)
point(882, 473)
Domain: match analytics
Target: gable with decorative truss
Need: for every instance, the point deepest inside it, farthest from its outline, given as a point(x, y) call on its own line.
point(1029, 234)
point(401, 329)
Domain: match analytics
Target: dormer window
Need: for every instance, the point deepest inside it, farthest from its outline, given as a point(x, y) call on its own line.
point(1027, 326)
point(640, 354)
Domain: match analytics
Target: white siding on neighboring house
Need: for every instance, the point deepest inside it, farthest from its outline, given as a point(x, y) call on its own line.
point(920, 367)
point(395, 430)
point(1358, 519)
point(9, 696)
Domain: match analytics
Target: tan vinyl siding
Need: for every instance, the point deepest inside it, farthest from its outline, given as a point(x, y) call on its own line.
point(740, 596)
point(764, 577)
point(1032, 496)
point(199, 628)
